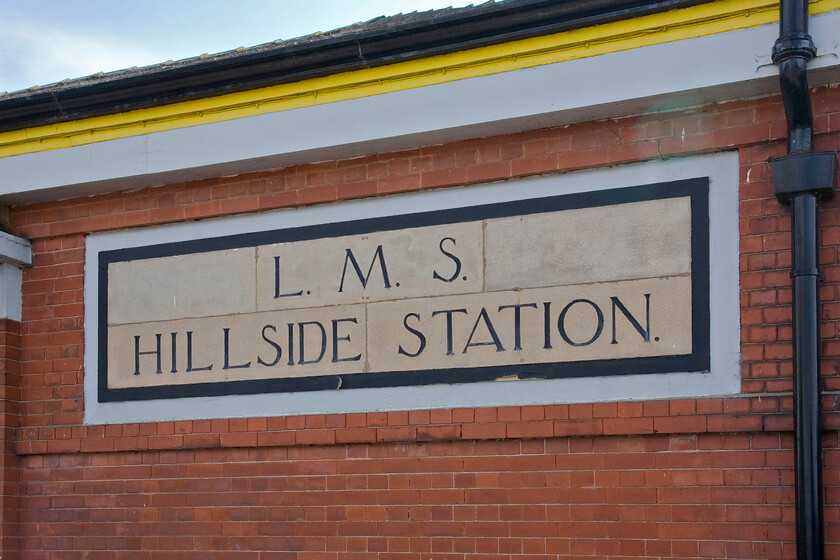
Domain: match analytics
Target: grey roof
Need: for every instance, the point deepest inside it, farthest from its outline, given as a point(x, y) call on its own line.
point(380, 41)
point(379, 23)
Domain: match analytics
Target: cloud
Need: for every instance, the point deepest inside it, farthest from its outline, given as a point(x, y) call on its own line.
point(31, 55)
point(45, 41)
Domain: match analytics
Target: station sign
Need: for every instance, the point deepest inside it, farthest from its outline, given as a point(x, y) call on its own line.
point(611, 282)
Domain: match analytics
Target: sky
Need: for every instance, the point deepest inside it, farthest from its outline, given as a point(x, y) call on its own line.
point(46, 41)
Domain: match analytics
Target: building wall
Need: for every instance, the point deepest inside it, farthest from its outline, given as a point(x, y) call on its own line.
point(696, 478)
point(10, 386)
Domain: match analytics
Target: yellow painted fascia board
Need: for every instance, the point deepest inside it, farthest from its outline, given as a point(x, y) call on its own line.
point(674, 25)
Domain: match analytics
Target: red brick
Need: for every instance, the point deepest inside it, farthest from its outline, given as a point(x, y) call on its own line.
point(530, 429)
point(680, 424)
point(488, 171)
point(484, 431)
point(558, 480)
point(443, 177)
point(534, 165)
point(628, 425)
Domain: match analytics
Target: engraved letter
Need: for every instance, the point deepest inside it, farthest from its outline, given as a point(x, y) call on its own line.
point(636, 325)
point(291, 343)
point(416, 333)
point(547, 325)
point(517, 316)
point(174, 352)
point(227, 354)
point(449, 313)
point(364, 279)
point(138, 353)
point(277, 293)
point(490, 329)
point(336, 339)
point(451, 256)
point(301, 331)
point(561, 323)
point(277, 351)
point(190, 356)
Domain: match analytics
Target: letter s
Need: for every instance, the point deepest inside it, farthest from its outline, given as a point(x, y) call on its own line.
point(277, 351)
point(451, 256)
point(420, 336)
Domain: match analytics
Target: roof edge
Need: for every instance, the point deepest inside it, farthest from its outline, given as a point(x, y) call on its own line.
point(347, 49)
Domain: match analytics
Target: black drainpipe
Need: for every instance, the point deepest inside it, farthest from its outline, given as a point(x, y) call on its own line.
point(801, 179)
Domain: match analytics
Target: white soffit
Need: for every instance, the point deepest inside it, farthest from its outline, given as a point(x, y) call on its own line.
point(651, 79)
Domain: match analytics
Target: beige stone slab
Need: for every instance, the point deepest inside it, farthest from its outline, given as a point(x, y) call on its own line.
point(339, 348)
point(585, 322)
point(590, 245)
point(455, 331)
point(180, 286)
point(603, 244)
point(408, 263)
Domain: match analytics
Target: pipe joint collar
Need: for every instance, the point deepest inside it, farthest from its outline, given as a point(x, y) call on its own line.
point(799, 45)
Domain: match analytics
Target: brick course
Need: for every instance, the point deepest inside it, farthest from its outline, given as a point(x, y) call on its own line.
point(695, 478)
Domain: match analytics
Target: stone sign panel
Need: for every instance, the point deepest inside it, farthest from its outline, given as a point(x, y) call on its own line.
point(593, 284)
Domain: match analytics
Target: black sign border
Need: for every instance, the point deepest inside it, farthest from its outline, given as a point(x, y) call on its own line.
point(697, 189)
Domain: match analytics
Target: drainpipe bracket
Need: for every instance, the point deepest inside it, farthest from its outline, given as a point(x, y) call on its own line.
point(807, 173)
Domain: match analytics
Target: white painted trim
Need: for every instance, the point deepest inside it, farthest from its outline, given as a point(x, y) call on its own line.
point(11, 297)
point(723, 379)
point(644, 80)
point(15, 250)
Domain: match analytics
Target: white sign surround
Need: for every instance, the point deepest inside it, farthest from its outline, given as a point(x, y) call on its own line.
point(539, 285)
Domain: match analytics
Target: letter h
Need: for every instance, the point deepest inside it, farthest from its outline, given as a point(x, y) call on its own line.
point(138, 353)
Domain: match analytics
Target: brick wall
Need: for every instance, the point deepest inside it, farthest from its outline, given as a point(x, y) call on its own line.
point(9, 421)
point(705, 478)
